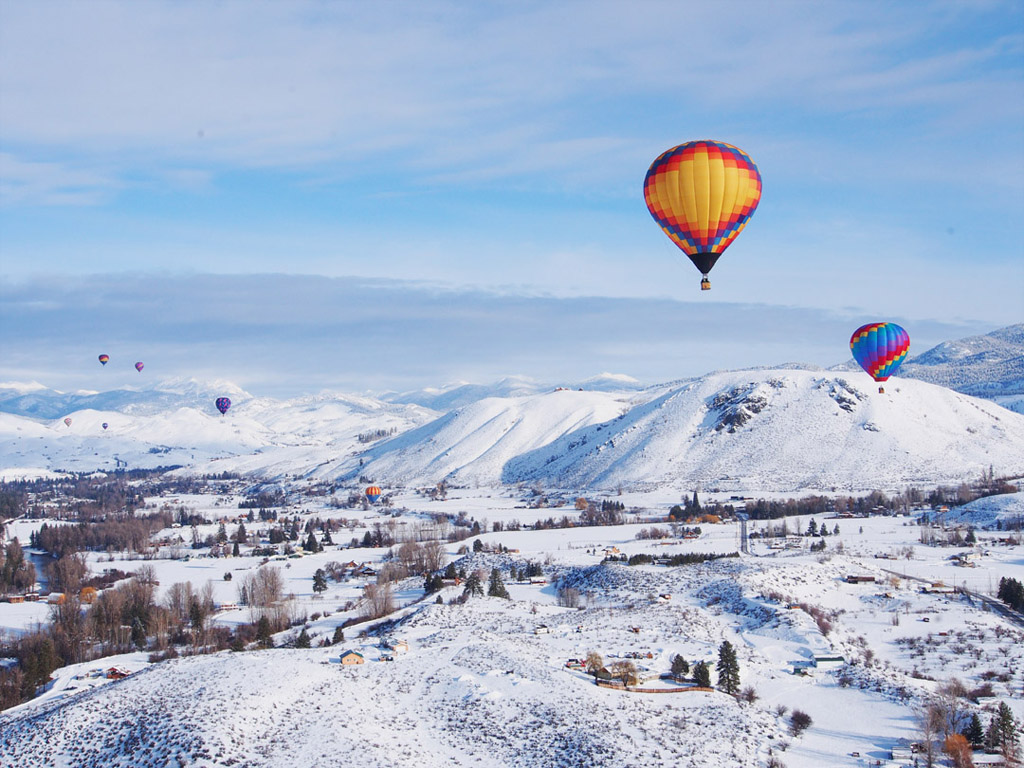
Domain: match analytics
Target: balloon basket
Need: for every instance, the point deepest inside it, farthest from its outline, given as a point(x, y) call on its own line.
point(705, 284)
point(881, 390)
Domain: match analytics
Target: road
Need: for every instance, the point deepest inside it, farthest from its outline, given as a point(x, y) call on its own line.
point(995, 605)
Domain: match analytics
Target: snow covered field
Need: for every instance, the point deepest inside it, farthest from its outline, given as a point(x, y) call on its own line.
point(479, 687)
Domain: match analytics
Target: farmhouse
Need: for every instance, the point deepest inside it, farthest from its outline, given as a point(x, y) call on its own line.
point(859, 579)
point(349, 658)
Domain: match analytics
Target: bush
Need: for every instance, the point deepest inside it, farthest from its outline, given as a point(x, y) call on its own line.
point(799, 722)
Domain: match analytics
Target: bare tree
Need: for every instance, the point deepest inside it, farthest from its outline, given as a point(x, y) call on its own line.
point(625, 671)
point(594, 663)
point(379, 600)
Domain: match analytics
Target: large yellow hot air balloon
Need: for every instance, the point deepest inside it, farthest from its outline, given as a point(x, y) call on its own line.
point(702, 193)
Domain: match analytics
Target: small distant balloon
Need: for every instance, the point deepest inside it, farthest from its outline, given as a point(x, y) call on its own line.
point(139, 367)
point(67, 421)
point(105, 425)
point(104, 359)
point(880, 348)
point(373, 493)
point(223, 403)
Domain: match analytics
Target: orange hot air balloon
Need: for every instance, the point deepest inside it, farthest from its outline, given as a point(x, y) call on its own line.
point(702, 193)
point(104, 359)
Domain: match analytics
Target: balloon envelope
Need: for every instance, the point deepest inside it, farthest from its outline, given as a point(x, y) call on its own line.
point(223, 404)
point(880, 348)
point(702, 193)
point(67, 421)
point(105, 425)
point(139, 367)
point(373, 493)
point(104, 359)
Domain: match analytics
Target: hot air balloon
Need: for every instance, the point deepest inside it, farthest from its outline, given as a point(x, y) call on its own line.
point(104, 359)
point(373, 493)
point(223, 404)
point(105, 425)
point(702, 193)
point(139, 367)
point(880, 349)
point(67, 421)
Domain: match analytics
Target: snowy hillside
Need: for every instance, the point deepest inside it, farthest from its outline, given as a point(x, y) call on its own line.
point(985, 366)
point(461, 394)
point(471, 445)
point(989, 511)
point(175, 423)
point(784, 429)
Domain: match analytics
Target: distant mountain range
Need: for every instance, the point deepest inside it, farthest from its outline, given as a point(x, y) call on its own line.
point(790, 428)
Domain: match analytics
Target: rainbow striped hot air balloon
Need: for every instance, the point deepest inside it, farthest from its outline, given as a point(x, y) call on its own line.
point(880, 348)
point(223, 404)
point(372, 494)
point(104, 359)
point(702, 194)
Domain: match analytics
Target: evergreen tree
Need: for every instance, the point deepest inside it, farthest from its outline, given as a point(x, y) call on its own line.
point(450, 573)
point(339, 635)
point(701, 674)
point(473, 586)
point(263, 634)
point(812, 528)
point(311, 545)
point(728, 668)
point(303, 640)
point(327, 541)
point(1006, 733)
point(241, 535)
point(478, 546)
point(439, 601)
point(974, 732)
point(234, 550)
point(222, 534)
point(680, 666)
point(319, 581)
point(835, 531)
point(496, 587)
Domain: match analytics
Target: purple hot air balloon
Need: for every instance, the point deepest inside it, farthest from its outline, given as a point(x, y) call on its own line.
point(67, 422)
point(139, 367)
point(105, 425)
point(223, 404)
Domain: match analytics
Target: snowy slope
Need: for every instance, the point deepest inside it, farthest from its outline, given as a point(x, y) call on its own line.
point(989, 511)
point(985, 366)
point(175, 423)
point(472, 444)
point(784, 430)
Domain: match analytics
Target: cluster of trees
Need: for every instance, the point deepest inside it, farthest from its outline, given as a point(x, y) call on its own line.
point(124, 534)
point(1011, 592)
point(128, 617)
point(946, 720)
point(685, 558)
point(17, 574)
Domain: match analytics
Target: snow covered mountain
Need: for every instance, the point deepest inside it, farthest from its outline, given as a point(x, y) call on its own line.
point(175, 424)
point(783, 430)
point(990, 366)
point(471, 445)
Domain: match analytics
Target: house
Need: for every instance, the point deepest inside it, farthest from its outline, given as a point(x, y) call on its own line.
point(828, 662)
point(16, 599)
point(348, 658)
point(543, 629)
point(117, 673)
point(56, 598)
point(538, 580)
point(855, 579)
point(400, 646)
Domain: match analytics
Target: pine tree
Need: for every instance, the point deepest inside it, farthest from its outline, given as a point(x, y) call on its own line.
point(319, 581)
point(222, 534)
point(303, 640)
point(339, 635)
point(701, 674)
point(496, 587)
point(263, 633)
point(728, 668)
point(234, 550)
point(311, 545)
point(478, 546)
point(241, 535)
point(812, 528)
point(974, 732)
point(450, 573)
point(680, 666)
point(473, 586)
point(1007, 732)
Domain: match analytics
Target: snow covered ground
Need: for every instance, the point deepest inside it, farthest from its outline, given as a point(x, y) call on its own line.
point(479, 687)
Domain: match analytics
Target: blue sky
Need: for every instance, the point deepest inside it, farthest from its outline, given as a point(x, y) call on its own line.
point(494, 154)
